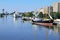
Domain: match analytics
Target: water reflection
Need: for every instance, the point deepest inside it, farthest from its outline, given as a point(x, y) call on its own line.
point(56, 30)
point(1, 16)
point(35, 31)
point(50, 32)
point(19, 29)
point(35, 27)
point(15, 20)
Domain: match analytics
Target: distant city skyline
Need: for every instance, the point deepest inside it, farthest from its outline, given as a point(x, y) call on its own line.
point(24, 5)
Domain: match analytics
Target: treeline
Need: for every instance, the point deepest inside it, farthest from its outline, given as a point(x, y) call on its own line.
point(40, 15)
point(55, 15)
point(28, 14)
point(2, 14)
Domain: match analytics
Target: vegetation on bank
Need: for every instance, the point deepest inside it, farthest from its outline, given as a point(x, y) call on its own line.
point(41, 15)
point(1, 15)
point(28, 14)
point(55, 15)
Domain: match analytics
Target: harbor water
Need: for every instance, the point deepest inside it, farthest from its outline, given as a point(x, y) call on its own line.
point(16, 29)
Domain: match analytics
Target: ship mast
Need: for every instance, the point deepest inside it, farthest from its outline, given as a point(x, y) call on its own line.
point(49, 14)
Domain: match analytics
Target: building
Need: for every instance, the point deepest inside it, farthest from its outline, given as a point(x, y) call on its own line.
point(56, 7)
point(50, 9)
point(41, 10)
point(46, 10)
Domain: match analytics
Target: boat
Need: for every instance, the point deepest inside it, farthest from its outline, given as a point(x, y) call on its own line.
point(26, 18)
point(36, 19)
point(57, 21)
point(44, 22)
point(16, 15)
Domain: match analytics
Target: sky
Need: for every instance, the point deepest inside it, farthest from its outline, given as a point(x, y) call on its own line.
point(24, 5)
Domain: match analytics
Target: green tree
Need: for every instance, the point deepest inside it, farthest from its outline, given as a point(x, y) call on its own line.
point(40, 15)
point(1, 15)
point(28, 14)
point(23, 14)
point(58, 15)
point(46, 16)
point(55, 15)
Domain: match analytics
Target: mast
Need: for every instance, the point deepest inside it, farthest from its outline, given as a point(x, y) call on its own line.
point(49, 14)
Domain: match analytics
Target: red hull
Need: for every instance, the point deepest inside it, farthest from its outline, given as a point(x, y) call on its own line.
point(44, 24)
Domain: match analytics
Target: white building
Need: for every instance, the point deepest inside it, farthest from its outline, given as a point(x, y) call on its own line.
point(56, 7)
point(41, 10)
point(46, 10)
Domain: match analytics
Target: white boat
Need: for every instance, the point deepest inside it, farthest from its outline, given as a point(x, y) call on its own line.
point(16, 15)
point(36, 19)
point(26, 18)
point(57, 21)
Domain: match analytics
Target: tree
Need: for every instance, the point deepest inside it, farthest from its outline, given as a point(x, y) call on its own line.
point(23, 14)
point(46, 16)
point(55, 15)
point(58, 15)
point(28, 14)
point(40, 15)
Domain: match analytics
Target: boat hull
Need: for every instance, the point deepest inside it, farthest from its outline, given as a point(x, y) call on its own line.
point(44, 24)
point(46, 21)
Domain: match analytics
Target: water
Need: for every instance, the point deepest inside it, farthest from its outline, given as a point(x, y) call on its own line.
point(17, 29)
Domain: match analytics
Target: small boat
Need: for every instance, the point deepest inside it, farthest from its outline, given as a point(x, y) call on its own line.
point(26, 18)
point(57, 21)
point(16, 15)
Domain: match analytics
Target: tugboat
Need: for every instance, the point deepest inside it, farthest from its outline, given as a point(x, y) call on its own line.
point(41, 20)
point(44, 22)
